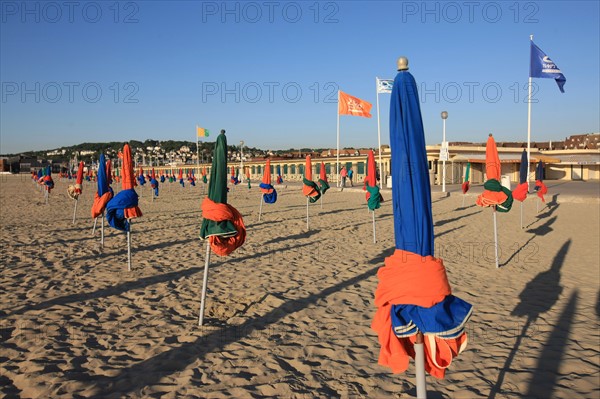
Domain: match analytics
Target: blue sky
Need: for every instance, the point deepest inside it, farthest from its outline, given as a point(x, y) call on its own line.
point(268, 72)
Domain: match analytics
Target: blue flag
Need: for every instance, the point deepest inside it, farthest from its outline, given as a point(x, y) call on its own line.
point(541, 66)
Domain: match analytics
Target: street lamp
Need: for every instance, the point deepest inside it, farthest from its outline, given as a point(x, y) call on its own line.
point(242, 157)
point(444, 151)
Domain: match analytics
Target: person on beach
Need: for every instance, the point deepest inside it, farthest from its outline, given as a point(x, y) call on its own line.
point(350, 174)
point(343, 175)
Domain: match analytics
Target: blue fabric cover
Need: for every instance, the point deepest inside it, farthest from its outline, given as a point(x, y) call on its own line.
point(446, 319)
point(103, 186)
point(115, 209)
point(154, 185)
point(413, 220)
point(523, 169)
point(269, 198)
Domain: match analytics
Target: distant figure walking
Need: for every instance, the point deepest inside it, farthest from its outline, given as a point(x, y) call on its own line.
point(350, 174)
point(343, 175)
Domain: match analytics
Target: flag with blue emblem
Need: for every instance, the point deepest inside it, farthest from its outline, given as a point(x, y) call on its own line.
point(541, 66)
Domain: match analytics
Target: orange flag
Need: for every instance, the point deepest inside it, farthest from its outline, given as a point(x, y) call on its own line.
point(349, 105)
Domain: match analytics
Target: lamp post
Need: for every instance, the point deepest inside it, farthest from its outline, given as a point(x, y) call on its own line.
point(444, 150)
point(241, 157)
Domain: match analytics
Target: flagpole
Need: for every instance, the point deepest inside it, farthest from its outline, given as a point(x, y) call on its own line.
point(529, 118)
point(338, 143)
point(378, 131)
point(197, 151)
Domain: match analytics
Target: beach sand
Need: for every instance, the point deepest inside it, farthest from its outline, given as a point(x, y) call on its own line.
point(288, 315)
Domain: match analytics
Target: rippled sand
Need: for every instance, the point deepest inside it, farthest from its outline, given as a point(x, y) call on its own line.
point(288, 314)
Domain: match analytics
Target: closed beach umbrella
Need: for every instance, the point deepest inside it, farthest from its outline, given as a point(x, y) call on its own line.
point(222, 224)
point(123, 207)
point(234, 178)
point(269, 194)
point(374, 197)
point(181, 178)
point(74, 191)
point(520, 192)
point(415, 306)
point(465, 185)
point(279, 178)
point(323, 183)
point(495, 195)
point(154, 183)
point(102, 195)
point(141, 178)
point(540, 187)
point(309, 187)
point(104, 192)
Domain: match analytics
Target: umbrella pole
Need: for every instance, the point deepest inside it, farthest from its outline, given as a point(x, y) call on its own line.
point(129, 247)
point(463, 204)
point(94, 228)
point(322, 201)
point(46, 195)
point(374, 235)
point(75, 210)
point(307, 213)
point(420, 367)
point(260, 209)
point(495, 239)
point(102, 231)
point(204, 284)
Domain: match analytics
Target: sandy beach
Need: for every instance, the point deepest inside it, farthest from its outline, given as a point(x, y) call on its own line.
point(289, 313)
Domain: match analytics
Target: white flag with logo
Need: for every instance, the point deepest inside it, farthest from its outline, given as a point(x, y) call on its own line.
point(385, 85)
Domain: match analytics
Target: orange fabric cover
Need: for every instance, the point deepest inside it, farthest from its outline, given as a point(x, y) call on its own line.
point(322, 172)
point(410, 279)
point(492, 160)
point(128, 180)
point(520, 192)
point(79, 179)
point(542, 191)
point(491, 198)
point(100, 204)
point(267, 177)
point(309, 191)
point(223, 246)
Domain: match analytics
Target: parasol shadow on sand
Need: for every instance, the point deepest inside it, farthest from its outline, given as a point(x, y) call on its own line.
point(134, 378)
point(539, 296)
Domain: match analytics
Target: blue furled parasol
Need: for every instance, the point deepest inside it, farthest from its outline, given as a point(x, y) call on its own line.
point(416, 308)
